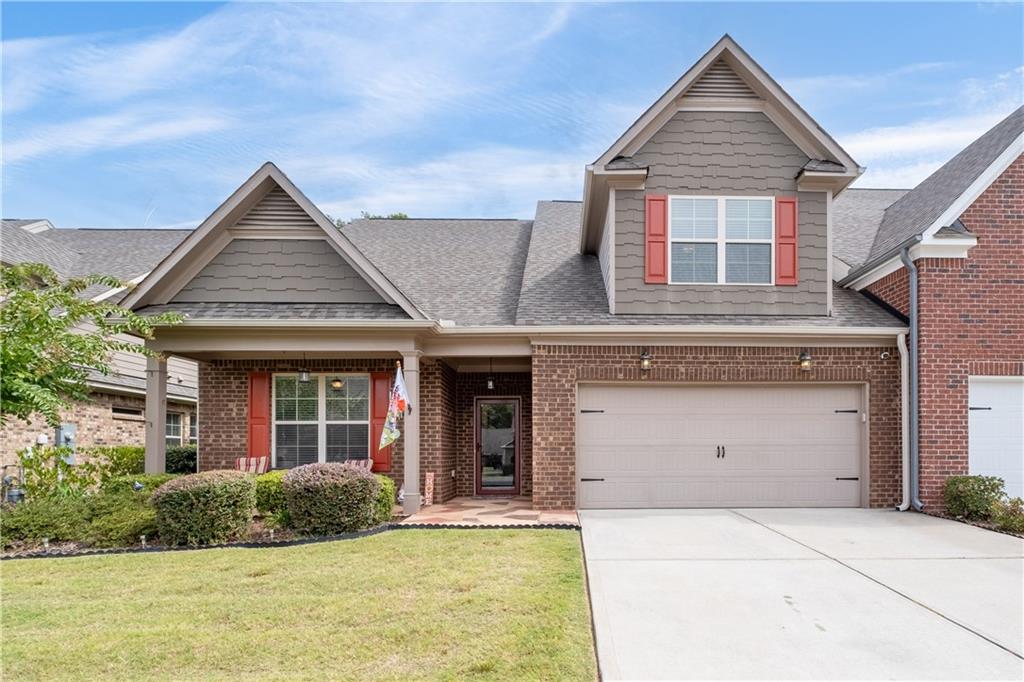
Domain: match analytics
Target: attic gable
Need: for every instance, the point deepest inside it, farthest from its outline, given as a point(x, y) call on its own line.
point(719, 81)
point(267, 243)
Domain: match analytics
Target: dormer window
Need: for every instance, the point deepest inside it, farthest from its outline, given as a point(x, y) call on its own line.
point(721, 240)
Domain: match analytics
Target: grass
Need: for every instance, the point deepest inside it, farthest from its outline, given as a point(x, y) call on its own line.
point(420, 604)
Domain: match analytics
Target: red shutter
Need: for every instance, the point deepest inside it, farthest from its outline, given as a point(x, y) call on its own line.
point(656, 239)
point(380, 391)
point(785, 241)
point(259, 414)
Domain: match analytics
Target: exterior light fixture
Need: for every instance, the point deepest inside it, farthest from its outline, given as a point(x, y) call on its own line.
point(646, 360)
point(337, 383)
point(490, 375)
point(806, 361)
point(304, 376)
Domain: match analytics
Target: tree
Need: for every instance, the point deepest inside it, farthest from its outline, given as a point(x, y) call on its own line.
point(52, 336)
point(371, 216)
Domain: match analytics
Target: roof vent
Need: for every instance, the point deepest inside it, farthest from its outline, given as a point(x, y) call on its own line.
point(721, 82)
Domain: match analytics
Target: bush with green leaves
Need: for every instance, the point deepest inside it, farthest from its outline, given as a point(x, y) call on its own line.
point(270, 497)
point(149, 482)
point(117, 460)
point(972, 497)
point(205, 508)
point(59, 519)
point(119, 517)
point(330, 498)
point(385, 499)
point(181, 459)
point(1008, 515)
point(49, 472)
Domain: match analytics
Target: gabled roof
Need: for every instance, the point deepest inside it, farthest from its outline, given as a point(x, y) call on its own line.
point(856, 216)
point(174, 271)
point(946, 193)
point(18, 245)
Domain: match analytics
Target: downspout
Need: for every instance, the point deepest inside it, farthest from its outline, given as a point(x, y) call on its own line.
point(915, 453)
point(901, 344)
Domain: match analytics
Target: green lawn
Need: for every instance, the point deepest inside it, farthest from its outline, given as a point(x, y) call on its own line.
point(438, 604)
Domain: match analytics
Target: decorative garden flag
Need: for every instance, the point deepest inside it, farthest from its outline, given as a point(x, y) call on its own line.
point(397, 404)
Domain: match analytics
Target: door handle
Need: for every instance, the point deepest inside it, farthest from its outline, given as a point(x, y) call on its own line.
point(847, 478)
point(718, 451)
point(723, 452)
point(585, 480)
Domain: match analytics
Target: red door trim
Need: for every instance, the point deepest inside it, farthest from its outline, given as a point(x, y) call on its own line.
point(477, 469)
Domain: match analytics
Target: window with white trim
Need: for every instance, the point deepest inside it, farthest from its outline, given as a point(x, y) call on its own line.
point(721, 240)
point(325, 419)
point(172, 429)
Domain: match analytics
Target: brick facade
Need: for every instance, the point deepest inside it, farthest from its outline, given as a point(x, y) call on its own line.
point(438, 443)
point(971, 322)
point(557, 369)
point(96, 422)
point(224, 396)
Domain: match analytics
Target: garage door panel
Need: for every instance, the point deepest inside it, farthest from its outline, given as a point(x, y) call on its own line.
point(656, 446)
point(996, 430)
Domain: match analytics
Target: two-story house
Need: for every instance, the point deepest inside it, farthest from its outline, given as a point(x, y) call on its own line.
point(676, 339)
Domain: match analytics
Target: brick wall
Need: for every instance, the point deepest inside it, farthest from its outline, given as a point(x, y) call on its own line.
point(894, 289)
point(224, 396)
point(438, 426)
point(96, 425)
point(470, 386)
point(971, 323)
point(557, 369)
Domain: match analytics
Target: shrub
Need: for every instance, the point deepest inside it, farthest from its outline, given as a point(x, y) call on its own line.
point(972, 497)
point(324, 499)
point(385, 499)
point(118, 518)
point(57, 518)
point(48, 473)
point(205, 508)
point(270, 493)
point(126, 484)
point(181, 459)
point(119, 460)
point(1008, 515)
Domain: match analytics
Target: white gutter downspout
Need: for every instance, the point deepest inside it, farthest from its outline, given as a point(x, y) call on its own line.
point(901, 344)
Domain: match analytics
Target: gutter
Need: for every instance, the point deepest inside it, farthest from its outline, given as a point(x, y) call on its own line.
point(901, 344)
point(915, 426)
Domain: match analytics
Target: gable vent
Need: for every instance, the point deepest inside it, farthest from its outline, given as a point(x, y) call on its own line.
point(721, 82)
point(276, 210)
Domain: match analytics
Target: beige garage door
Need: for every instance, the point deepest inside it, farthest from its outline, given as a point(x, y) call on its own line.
point(719, 446)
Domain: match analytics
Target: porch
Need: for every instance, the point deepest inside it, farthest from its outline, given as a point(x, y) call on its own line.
point(494, 511)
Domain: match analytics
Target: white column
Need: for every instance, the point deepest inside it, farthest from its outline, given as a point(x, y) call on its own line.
point(156, 415)
point(411, 433)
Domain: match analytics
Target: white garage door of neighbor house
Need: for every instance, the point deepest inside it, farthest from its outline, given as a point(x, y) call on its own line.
point(996, 430)
point(719, 446)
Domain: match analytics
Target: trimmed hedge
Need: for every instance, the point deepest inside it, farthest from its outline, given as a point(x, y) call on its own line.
point(119, 517)
point(121, 460)
point(270, 497)
point(1008, 515)
point(205, 508)
point(181, 459)
point(385, 499)
point(61, 519)
point(331, 498)
point(972, 497)
point(126, 484)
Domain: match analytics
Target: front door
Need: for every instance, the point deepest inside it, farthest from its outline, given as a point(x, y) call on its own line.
point(497, 446)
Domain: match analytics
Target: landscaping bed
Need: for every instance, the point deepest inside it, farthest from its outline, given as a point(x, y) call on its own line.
point(423, 604)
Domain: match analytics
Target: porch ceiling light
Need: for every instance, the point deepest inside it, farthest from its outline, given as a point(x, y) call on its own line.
point(646, 360)
point(806, 361)
point(337, 383)
point(490, 374)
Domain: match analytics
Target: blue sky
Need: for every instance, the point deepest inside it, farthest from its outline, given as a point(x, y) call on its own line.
point(146, 114)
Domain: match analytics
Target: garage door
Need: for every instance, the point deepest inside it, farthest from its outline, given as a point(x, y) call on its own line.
point(996, 430)
point(719, 446)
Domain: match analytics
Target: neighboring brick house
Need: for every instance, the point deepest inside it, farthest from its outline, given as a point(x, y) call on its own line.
point(963, 228)
point(676, 339)
point(114, 414)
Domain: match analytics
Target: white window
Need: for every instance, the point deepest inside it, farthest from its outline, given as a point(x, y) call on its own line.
point(193, 428)
point(721, 240)
point(325, 419)
point(172, 431)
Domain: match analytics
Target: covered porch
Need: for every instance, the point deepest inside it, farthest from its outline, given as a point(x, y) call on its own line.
point(323, 398)
point(490, 511)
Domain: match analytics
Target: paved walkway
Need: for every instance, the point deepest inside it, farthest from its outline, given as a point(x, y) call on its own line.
point(477, 511)
point(803, 594)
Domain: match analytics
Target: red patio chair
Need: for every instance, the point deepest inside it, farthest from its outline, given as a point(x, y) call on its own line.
point(253, 465)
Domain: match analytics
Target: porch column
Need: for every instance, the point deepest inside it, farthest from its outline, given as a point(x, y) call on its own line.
point(156, 415)
point(411, 433)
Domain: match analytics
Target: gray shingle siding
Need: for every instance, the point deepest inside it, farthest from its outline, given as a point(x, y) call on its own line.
point(278, 271)
point(720, 153)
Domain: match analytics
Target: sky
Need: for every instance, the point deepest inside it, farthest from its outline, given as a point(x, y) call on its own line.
point(151, 114)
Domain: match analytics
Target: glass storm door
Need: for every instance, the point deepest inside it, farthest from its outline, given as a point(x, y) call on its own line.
point(497, 446)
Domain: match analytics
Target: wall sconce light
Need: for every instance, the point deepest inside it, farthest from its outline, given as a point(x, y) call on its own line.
point(337, 383)
point(646, 360)
point(806, 361)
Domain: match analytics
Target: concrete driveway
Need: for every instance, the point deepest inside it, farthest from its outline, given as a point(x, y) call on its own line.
point(802, 594)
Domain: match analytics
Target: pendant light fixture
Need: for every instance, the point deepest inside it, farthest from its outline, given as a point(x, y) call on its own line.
point(303, 371)
point(490, 375)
